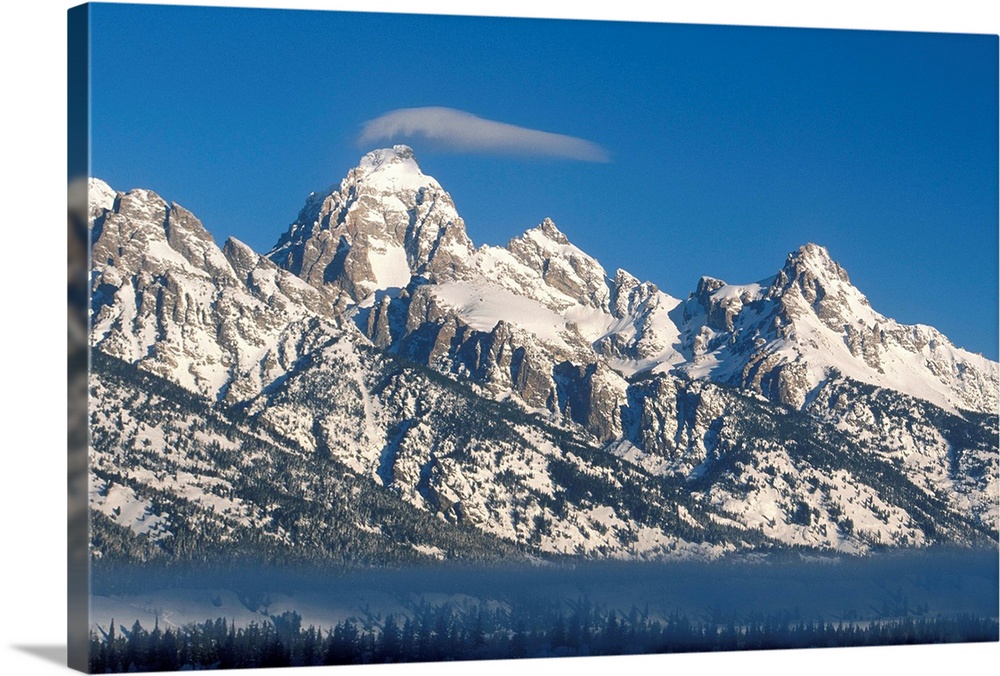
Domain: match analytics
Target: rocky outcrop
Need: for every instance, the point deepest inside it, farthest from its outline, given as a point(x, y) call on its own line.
point(166, 298)
point(559, 268)
point(386, 222)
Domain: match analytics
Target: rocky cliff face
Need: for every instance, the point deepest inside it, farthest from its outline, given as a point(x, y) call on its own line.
point(386, 223)
point(165, 297)
point(525, 392)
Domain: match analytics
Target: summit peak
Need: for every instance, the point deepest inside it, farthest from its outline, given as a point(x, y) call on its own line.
point(383, 157)
point(811, 250)
point(548, 229)
point(814, 261)
point(392, 169)
point(385, 223)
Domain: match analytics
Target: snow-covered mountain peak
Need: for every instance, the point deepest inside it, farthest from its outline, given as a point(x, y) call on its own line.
point(148, 212)
point(547, 230)
point(811, 282)
point(787, 335)
point(381, 158)
point(547, 266)
point(811, 252)
point(392, 169)
point(706, 287)
point(625, 278)
point(240, 255)
point(387, 222)
point(815, 260)
point(100, 196)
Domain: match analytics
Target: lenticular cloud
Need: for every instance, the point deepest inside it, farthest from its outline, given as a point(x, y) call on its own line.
point(464, 132)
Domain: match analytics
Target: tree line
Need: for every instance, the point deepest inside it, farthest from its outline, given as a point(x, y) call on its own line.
point(440, 633)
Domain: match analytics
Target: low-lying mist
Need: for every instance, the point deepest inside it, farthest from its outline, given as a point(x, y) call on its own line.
point(928, 583)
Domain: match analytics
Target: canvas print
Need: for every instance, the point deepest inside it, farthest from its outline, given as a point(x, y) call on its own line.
point(416, 338)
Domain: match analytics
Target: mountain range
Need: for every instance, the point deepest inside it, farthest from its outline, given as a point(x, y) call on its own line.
point(378, 389)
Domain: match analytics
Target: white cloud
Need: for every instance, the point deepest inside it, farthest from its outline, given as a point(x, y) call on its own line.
point(464, 132)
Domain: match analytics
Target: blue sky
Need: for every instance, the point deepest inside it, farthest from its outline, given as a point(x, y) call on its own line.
point(727, 147)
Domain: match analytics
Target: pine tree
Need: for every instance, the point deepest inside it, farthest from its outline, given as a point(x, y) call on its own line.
point(390, 644)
